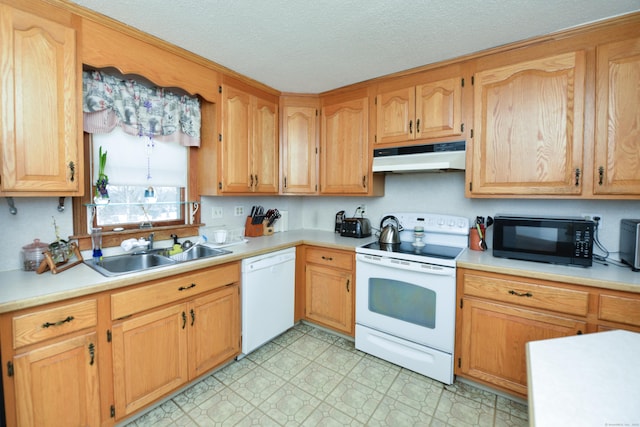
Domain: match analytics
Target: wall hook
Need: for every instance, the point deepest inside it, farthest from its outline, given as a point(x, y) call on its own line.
point(61, 204)
point(12, 206)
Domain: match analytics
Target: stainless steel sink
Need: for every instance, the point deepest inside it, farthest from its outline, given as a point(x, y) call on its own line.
point(198, 252)
point(131, 263)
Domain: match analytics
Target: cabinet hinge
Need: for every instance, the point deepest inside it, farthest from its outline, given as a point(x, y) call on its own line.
point(473, 78)
point(460, 302)
point(108, 335)
point(471, 133)
point(471, 186)
point(375, 138)
point(9, 368)
point(220, 185)
point(220, 137)
point(220, 89)
point(113, 411)
point(316, 112)
point(462, 83)
point(375, 100)
point(461, 127)
point(459, 362)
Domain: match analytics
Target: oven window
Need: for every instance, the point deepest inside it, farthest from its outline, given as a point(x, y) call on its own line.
point(403, 301)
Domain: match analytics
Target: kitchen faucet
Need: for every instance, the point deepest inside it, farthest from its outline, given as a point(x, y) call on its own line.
point(150, 239)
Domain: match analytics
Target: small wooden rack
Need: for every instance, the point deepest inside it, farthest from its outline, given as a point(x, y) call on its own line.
point(49, 264)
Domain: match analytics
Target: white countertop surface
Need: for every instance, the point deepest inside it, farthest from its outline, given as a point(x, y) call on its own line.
point(21, 289)
point(585, 380)
point(608, 276)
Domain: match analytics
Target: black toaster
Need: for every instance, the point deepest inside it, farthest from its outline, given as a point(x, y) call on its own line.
point(355, 227)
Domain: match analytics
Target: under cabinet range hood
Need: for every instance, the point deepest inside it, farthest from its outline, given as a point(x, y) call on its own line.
point(420, 158)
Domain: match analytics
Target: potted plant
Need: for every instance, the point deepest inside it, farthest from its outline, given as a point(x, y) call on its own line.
point(101, 194)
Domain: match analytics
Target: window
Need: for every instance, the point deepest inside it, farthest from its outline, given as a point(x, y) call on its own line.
point(147, 133)
point(147, 181)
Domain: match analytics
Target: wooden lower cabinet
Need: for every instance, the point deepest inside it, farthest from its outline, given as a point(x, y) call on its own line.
point(498, 314)
point(57, 385)
point(156, 352)
point(50, 362)
point(329, 289)
point(494, 337)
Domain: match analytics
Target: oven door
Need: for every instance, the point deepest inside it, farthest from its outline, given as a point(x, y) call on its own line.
point(410, 300)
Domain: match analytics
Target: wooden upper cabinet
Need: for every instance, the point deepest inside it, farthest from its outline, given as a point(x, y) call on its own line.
point(249, 148)
point(299, 145)
point(344, 148)
point(265, 147)
point(528, 125)
point(41, 151)
point(430, 109)
point(617, 139)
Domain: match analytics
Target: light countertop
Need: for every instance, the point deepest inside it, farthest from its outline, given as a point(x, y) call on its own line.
point(608, 276)
point(21, 289)
point(585, 380)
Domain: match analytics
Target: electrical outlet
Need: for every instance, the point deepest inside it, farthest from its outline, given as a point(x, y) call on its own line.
point(591, 216)
point(238, 211)
point(361, 210)
point(216, 212)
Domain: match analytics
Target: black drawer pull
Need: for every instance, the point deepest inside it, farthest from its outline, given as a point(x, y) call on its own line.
point(520, 294)
point(184, 288)
point(327, 258)
point(49, 324)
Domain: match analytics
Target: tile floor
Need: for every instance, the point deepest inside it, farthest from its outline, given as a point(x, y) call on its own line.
point(310, 377)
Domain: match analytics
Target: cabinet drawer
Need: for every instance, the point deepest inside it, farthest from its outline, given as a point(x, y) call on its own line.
point(527, 294)
point(53, 322)
point(160, 292)
point(329, 257)
point(619, 309)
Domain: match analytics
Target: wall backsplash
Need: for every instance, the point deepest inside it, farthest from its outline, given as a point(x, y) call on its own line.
point(424, 192)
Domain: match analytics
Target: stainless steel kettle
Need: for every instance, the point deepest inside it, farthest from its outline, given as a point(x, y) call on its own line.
point(389, 233)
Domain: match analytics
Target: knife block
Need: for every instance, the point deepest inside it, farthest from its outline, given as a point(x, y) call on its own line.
point(253, 230)
point(268, 231)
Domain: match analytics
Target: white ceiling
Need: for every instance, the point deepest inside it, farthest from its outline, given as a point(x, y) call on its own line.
point(315, 46)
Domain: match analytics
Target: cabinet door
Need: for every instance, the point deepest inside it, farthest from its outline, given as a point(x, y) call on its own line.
point(57, 384)
point(528, 123)
point(299, 150)
point(329, 294)
point(617, 158)
point(39, 105)
point(395, 113)
point(439, 109)
point(149, 357)
point(345, 148)
point(264, 153)
point(235, 167)
point(494, 337)
point(214, 333)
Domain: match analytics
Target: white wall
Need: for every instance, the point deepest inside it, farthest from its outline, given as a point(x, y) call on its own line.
point(34, 220)
point(426, 192)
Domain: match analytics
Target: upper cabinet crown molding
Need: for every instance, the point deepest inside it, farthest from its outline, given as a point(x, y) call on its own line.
point(103, 47)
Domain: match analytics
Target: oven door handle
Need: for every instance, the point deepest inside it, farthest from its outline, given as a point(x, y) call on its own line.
point(397, 264)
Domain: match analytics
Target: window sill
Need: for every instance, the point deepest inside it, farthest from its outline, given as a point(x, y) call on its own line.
point(114, 238)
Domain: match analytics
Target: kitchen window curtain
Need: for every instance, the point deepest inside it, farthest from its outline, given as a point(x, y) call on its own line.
point(159, 114)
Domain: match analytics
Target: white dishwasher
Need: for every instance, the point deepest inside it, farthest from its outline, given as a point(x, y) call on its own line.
point(268, 290)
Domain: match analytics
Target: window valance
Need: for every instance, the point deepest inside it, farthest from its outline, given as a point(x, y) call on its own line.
point(110, 101)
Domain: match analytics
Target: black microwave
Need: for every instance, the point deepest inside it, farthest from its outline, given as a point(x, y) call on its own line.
point(557, 240)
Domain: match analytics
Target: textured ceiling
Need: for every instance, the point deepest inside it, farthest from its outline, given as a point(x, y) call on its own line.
point(315, 46)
